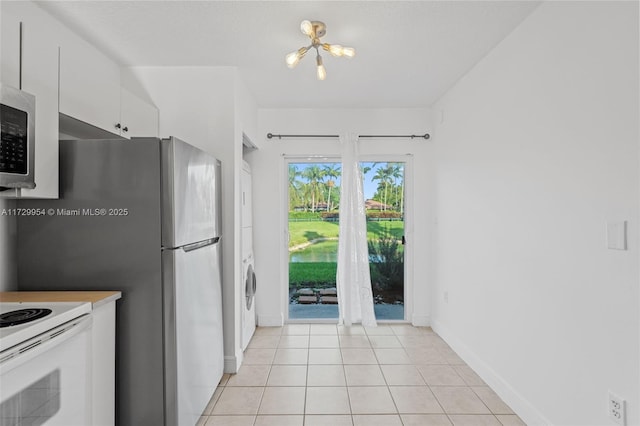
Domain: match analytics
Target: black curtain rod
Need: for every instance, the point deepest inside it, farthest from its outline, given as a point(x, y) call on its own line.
point(271, 136)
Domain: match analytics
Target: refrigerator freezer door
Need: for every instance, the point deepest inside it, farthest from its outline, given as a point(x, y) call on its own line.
point(193, 331)
point(191, 194)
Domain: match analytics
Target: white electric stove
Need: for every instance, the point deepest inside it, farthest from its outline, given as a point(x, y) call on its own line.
point(21, 321)
point(45, 363)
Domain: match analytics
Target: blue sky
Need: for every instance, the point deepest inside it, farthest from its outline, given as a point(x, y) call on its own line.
point(369, 185)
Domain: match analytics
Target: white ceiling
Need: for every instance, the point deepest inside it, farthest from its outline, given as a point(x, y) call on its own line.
point(408, 53)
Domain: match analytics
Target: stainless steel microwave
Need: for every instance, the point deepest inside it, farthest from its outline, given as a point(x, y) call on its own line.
point(17, 122)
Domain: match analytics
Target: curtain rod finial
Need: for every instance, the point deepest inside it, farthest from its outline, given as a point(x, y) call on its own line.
point(425, 136)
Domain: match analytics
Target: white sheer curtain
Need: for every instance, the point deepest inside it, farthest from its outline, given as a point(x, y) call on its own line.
point(355, 298)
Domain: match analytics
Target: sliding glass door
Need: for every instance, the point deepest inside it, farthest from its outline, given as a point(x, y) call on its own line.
point(313, 222)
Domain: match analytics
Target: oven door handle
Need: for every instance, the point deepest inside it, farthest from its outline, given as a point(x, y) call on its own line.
point(26, 351)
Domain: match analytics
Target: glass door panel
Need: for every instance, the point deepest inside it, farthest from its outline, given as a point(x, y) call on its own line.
point(314, 197)
point(384, 204)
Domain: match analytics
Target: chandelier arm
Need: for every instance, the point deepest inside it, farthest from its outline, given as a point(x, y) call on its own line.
point(303, 50)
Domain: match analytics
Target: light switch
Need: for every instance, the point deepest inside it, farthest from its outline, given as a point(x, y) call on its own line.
point(617, 235)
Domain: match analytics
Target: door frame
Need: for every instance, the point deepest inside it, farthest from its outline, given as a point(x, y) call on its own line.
point(407, 159)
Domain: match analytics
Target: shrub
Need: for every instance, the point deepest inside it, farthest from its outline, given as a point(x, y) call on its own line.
point(305, 215)
point(387, 263)
point(371, 215)
point(379, 214)
point(333, 216)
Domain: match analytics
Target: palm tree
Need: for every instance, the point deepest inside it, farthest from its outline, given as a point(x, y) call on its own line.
point(315, 177)
point(383, 175)
point(294, 186)
point(331, 171)
point(397, 172)
point(367, 169)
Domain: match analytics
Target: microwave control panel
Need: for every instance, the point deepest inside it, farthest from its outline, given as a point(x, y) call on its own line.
point(13, 144)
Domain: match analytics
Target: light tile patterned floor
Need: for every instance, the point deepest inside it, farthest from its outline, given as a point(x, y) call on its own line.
point(328, 375)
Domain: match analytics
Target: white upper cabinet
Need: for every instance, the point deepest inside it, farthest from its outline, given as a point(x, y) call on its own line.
point(9, 46)
point(137, 118)
point(89, 85)
point(38, 73)
point(90, 91)
point(67, 75)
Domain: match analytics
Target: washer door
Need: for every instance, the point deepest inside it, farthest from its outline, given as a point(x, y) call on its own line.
point(250, 287)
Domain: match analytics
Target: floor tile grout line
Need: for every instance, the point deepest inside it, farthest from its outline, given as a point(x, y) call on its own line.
point(346, 384)
point(439, 349)
point(306, 382)
point(481, 400)
point(462, 414)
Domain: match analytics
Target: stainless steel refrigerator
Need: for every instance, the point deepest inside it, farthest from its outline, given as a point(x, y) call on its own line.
point(140, 216)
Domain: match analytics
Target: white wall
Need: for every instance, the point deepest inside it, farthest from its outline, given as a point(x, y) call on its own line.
point(206, 107)
point(8, 261)
point(538, 148)
point(246, 112)
point(269, 188)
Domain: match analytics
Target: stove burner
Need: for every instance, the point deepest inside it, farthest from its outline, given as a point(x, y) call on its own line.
point(22, 316)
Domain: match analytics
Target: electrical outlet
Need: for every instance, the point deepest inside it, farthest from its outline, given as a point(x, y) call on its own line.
point(617, 409)
point(446, 297)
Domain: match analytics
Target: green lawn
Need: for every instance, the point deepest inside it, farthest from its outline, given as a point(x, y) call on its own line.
point(310, 274)
point(317, 274)
point(302, 232)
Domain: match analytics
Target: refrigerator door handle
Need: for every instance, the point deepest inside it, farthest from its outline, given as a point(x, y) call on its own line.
point(200, 244)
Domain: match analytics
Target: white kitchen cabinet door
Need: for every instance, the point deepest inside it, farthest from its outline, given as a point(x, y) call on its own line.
point(89, 85)
point(138, 118)
point(9, 45)
point(104, 364)
point(39, 78)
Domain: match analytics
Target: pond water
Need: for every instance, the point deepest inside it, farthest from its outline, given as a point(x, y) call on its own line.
point(323, 251)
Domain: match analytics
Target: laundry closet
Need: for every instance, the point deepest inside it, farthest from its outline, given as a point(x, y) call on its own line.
point(249, 282)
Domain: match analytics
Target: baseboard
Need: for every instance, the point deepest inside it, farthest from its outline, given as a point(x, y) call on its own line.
point(522, 407)
point(232, 363)
point(270, 320)
point(421, 321)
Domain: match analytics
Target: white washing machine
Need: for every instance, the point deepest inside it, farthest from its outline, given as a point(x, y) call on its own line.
point(248, 274)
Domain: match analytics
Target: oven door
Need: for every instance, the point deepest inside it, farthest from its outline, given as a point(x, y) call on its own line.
point(47, 380)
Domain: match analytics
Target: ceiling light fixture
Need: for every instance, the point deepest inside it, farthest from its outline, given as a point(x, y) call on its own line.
point(314, 30)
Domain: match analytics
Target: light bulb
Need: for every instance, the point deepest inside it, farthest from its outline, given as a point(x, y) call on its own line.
point(293, 58)
point(322, 73)
point(336, 50)
point(349, 52)
point(306, 27)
